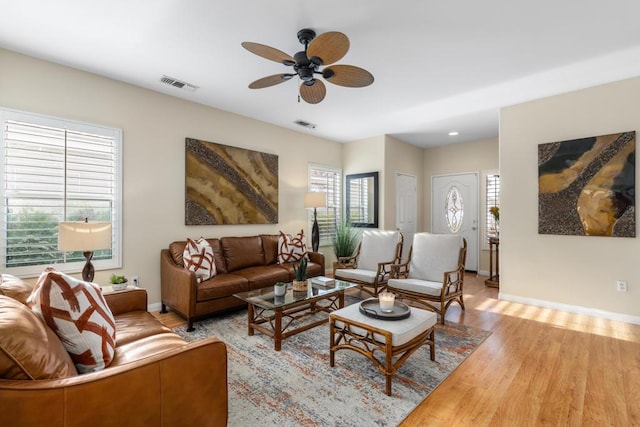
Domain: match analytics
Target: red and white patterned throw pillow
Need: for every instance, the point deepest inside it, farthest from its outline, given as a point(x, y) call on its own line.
point(291, 249)
point(198, 257)
point(78, 314)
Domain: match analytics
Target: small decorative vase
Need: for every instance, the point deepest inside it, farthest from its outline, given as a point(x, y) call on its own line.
point(279, 290)
point(300, 286)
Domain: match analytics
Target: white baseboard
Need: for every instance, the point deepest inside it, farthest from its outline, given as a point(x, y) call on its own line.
point(156, 306)
point(571, 308)
point(483, 273)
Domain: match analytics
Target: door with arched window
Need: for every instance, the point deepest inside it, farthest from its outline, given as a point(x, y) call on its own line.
point(454, 210)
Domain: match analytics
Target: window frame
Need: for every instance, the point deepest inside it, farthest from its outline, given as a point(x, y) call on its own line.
point(326, 239)
point(491, 198)
point(115, 261)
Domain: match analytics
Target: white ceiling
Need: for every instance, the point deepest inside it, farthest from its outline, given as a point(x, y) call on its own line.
point(438, 65)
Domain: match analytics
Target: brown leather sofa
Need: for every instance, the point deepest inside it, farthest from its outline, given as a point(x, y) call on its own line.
point(155, 378)
point(242, 264)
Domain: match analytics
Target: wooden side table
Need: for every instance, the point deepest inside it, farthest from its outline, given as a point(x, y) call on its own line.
point(494, 279)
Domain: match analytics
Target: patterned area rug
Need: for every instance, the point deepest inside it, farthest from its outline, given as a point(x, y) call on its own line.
point(297, 387)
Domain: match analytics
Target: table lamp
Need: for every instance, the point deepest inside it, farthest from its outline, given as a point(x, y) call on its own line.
point(86, 237)
point(315, 200)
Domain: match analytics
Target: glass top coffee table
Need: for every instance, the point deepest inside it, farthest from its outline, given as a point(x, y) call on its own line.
point(283, 316)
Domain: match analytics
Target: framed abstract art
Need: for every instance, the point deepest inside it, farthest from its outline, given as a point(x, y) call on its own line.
point(229, 185)
point(586, 186)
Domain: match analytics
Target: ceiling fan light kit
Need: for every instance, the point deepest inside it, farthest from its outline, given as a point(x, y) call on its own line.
point(320, 51)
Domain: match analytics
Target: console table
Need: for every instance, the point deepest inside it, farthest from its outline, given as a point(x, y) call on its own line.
point(494, 279)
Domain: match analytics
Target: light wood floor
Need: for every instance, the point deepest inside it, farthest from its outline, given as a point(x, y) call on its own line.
point(538, 367)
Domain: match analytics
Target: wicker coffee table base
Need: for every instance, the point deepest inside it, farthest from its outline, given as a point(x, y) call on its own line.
point(376, 344)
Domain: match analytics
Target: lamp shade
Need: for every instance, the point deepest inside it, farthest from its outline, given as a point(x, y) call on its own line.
point(315, 200)
point(84, 236)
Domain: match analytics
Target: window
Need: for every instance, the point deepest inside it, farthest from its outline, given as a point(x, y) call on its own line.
point(492, 200)
point(328, 180)
point(454, 210)
point(56, 170)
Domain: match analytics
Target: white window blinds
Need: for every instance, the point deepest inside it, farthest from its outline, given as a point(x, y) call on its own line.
point(56, 170)
point(328, 180)
point(492, 200)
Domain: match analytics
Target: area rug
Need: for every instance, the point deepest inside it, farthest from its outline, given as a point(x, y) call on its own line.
point(297, 387)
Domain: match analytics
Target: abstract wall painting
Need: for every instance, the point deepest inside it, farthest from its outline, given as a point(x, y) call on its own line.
point(229, 185)
point(586, 186)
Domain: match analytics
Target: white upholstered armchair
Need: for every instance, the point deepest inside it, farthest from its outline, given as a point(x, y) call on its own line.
point(370, 266)
point(433, 276)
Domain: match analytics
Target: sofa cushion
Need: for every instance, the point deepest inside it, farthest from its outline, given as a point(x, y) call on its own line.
point(261, 277)
point(242, 252)
point(146, 347)
point(15, 288)
point(313, 270)
point(198, 257)
point(221, 286)
point(270, 248)
point(291, 249)
point(134, 325)
point(29, 350)
point(77, 312)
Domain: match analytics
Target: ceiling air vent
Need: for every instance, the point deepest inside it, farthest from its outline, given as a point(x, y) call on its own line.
point(178, 83)
point(305, 124)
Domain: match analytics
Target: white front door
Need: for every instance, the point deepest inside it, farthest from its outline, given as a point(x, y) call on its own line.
point(406, 208)
point(454, 210)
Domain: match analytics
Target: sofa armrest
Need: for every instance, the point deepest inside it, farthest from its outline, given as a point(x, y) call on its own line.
point(318, 258)
point(182, 386)
point(177, 285)
point(126, 301)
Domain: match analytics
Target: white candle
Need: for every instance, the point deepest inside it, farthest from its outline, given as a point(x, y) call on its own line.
point(386, 301)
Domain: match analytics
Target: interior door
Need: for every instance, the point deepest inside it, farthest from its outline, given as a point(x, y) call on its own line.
point(454, 210)
point(406, 208)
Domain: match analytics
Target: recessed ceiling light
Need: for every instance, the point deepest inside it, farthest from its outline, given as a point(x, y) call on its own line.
point(453, 133)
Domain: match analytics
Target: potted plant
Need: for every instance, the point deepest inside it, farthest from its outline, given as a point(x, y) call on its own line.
point(118, 282)
point(279, 289)
point(300, 281)
point(495, 211)
point(346, 240)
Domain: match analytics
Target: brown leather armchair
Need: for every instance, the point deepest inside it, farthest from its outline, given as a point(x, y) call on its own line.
point(155, 378)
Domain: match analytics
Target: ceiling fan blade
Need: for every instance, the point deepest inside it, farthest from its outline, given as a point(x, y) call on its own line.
point(269, 53)
point(347, 75)
point(329, 47)
point(270, 81)
point(313, 94)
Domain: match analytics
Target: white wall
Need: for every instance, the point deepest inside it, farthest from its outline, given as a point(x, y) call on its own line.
point(578, 271)
point(154, 130)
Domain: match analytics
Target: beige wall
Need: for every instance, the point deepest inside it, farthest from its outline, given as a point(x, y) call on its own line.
point(573, 270)
point(404, 158)
point(154, 130)
point(362, 156)
point(477, 156)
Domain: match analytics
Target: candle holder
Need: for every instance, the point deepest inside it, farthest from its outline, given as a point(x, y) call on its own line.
point(387, 301)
